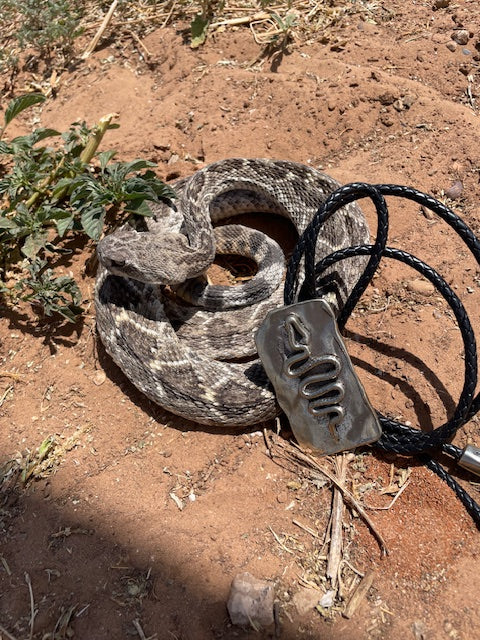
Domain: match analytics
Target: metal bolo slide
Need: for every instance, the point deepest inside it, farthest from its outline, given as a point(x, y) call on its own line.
point(316, 385)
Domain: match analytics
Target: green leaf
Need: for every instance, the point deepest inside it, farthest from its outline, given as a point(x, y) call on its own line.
point(4, 185)
point(92, 221)
point(198, 30)
point(5, 148)
point(120, 170)
point(42, 133)
point(64, 222)
point(136, 165)
point(139, 207)
point(104, 158)
point(8, 223)
point(70, 313)
point(62, 187)
point(17, 105)
point(33, 244)
point(290, 20)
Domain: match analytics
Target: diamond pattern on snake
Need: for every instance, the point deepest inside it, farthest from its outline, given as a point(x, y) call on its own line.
point(188, 345)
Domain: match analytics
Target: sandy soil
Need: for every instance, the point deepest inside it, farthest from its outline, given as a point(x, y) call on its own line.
point(384, 99)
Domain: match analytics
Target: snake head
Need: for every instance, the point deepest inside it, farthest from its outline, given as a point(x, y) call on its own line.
point(165, 258)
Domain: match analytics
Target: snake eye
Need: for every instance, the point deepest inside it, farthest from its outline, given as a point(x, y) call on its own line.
point(117, 264)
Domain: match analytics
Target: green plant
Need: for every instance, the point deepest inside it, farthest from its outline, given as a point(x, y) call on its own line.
point(48, 26)
point(286, 24)
point(201, 21)
point(50, 192)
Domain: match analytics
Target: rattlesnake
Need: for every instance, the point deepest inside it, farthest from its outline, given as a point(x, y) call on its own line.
point(163, 345)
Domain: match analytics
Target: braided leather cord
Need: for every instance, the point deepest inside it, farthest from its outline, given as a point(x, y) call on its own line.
point(396, 436)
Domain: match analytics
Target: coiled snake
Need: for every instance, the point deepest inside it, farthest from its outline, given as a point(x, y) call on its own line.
point(177, 353)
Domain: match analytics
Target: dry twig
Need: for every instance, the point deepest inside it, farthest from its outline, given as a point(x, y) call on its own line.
point(359, 594)
point(33, 613)
point(141, 634)
point(336, 538)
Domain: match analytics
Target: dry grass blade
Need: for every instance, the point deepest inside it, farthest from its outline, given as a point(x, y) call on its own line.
point(62, 629)
point(4, 395)
point(306, 528)
point(33, 613)
point(12, 375)
point(6, 633)
point(277, 539)
point(392, 502)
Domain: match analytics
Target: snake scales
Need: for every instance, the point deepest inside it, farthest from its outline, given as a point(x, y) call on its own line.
point(177, 353)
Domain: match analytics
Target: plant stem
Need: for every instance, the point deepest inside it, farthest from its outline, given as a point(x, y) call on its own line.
point(96, 137)
point(44, 184)
point(87, 154)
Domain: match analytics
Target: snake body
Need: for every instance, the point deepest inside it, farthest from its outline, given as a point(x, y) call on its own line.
point(176, 352)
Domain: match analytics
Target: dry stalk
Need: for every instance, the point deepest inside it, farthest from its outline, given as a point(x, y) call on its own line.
point(359, 594)
point(170, 13)
point(242, 20)
point(106, 21)
point(140, 43)
point(336, 537)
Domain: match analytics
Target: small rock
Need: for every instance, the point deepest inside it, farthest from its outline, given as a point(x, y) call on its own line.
point(398, 105)
point(455, 191)
point(466, 52)
point(250, 602)
point(451, 46)
point(327, 599)
point(441, 4)
point(387, 120)
point(419, 630)
point(387, 98)
point(461, 36)
point(422, 287)
point(99, 378)
point(305, 600)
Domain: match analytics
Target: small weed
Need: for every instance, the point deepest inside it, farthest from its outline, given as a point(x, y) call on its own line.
point(49, 192)
point(51, 26)
point(47, 27)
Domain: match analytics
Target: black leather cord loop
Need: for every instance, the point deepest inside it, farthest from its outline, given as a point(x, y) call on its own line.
point(396, 436)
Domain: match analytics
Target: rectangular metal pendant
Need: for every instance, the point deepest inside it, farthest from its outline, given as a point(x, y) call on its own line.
point(307, 362)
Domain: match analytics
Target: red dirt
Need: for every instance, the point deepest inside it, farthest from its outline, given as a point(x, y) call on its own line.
point(102, 533)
